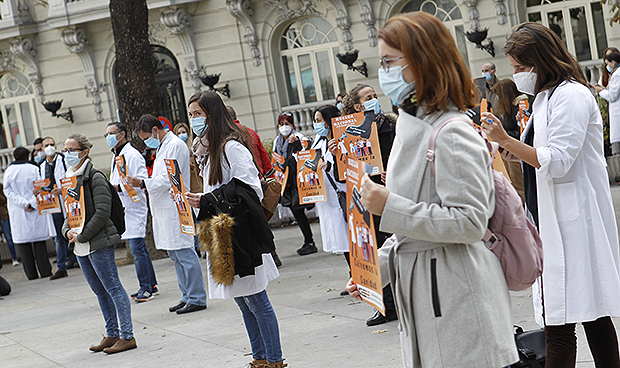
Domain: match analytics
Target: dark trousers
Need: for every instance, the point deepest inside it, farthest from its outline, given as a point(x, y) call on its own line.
point(34, 256)
point(602, 339)
point(5, 287)
point(304, 224)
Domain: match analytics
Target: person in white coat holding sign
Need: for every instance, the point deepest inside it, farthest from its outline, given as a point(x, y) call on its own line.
point(28, 228)
point(166, 224)
point(136, 209)
point(576, 220)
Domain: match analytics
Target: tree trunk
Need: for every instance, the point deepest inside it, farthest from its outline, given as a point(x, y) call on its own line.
point(134, 74)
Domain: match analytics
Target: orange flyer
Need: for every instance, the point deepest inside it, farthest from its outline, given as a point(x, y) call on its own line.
point(122, 173)
point(310, 177)
point(524, 114)
point(362, 243)
point(46, 202)
point(281, 172)
point(178, 187)
point(357, 137)
point(73, 197)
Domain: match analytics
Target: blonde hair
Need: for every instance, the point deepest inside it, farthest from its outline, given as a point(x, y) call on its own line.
point(81, 140)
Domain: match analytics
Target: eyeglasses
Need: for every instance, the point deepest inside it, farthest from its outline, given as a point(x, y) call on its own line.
point(72, 150)
point(384, 62)
point(107, 134)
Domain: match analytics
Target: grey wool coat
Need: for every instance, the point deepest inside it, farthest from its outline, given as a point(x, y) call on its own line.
point(452, 300)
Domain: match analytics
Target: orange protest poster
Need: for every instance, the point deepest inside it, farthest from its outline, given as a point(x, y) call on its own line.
point(310, 177)
point(524, 114)
point(357, 137)
point(122, 173)
point(46, 202)
point(73, 198)
point(178, 187)
point(362, 243)
point(281, 172)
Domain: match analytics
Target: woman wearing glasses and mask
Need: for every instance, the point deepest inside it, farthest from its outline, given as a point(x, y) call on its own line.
point(94, 247)
point(451, 295)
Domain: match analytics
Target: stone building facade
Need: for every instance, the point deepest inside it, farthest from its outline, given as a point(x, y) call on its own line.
point(274, 55)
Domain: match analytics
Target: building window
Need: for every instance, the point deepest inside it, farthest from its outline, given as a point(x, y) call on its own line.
point(579, 24)
point(308, 49)
point(18, 117)
point(446, 11)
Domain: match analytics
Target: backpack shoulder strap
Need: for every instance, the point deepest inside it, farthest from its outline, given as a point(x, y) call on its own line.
point(430, 152)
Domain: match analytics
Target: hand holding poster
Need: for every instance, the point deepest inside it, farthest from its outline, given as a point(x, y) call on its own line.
point(357, 137)
point(122, 173)
point(178, 187)
point(281, 172)
point(73, 198)
point(362, 243)
point(310, 177)
point(46, 201)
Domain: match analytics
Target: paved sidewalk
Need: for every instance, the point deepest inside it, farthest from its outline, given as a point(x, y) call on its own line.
point(52, 323)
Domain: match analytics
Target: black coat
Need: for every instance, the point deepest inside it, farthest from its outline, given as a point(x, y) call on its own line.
point(252, 236)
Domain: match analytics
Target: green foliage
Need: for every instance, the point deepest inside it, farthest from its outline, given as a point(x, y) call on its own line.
point(268, 144)
point(615, 9)
point(603, 105)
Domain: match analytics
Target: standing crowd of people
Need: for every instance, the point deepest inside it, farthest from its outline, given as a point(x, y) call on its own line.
point(440, 279)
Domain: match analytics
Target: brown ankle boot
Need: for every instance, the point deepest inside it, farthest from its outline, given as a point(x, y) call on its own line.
point(279, 364)
point(105, 343)
point(258, 363)
point(121, 345)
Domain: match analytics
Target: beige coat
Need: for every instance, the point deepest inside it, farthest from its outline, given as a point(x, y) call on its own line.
point(452, 300)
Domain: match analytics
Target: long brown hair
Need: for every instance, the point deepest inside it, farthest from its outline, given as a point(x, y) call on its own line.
point(532, 44)
point(439, 70)
point(221, 129)
point(507, 91)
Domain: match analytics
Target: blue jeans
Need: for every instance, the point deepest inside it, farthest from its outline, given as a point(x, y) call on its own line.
point(189, 276)
point(62, 244)
point(262, 326)
point(100, 271)
point(143, 263)
point(6, 230)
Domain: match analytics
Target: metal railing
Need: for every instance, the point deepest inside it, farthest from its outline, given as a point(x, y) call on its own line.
point(302, 115)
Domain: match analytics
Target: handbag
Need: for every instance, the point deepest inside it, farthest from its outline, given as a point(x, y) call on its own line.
point(342, 197)
point(532, 348)
point(272, 190)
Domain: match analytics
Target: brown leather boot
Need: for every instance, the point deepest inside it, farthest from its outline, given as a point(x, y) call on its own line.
point(121, 345)
point(258, 363)
point(279, 364)
point(105, 343)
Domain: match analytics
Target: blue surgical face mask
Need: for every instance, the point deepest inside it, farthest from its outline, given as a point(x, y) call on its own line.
point(73, 159)
point(373, 105)
point(609, 68)
point(487, 76)
point(183, 137)
point(393, 85)
point(340, 106)
point(39, 157)
point(111, 140)
point(199, 125)
point(320, 129)
point(152, 142)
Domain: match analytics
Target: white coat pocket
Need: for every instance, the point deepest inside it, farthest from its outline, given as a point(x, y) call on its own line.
point(566, 201)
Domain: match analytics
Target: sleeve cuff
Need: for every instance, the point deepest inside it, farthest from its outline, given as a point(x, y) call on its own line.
point(393, 216)
point(543, 154)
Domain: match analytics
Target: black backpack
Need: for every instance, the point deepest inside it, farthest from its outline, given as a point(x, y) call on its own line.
point(117, 212)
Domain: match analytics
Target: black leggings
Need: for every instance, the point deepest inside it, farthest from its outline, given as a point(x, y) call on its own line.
point(602, 339)
point(34, 256)
point(304, 224)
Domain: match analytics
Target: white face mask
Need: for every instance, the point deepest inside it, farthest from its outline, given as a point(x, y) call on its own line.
point(526, 82)
point(285, 130)
point(50, 151)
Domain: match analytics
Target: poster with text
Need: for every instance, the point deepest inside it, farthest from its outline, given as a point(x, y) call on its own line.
point(46, 202)
point(357, 137)
point(121, 165)
point(73, 199)
point(281, 172)
point(310, 177)
point(178, 188)
point(362, 243)
point(524, 114)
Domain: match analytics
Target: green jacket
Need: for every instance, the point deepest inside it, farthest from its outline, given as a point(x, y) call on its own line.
point(98, 229)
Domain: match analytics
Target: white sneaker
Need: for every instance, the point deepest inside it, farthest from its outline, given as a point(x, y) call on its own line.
point(15, 262)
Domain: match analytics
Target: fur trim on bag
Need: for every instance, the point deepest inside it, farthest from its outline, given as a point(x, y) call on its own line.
point(215, 236)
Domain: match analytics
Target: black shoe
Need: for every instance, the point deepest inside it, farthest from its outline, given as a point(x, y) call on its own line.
point(72, 264)
point(276, 259)
point(379, 318)
point(59, 274)
point(176, 307)
point(307, 248)
point(191, 308)
point(344, 293)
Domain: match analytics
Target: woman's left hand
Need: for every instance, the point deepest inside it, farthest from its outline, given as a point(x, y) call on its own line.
point(493, 127)
point(323, 165)
point(598, 88)
point(72, 236)
point(374, 195)
point(193, 199)
point(332, 146)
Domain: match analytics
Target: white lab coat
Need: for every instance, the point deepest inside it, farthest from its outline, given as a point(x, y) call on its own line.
point(243, 168)
point(135, 213)
point(581, 279)
point(166, 225)
point(612, 94)
point(26, 226)
point(334, 231)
